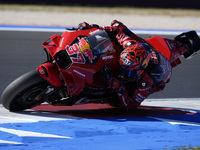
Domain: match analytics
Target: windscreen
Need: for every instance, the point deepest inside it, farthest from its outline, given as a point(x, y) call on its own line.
point(100, 43)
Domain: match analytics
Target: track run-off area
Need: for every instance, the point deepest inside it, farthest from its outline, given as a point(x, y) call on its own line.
point(168, 119)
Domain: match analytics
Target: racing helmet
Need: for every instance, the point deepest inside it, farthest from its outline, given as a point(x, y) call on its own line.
point(134, 60)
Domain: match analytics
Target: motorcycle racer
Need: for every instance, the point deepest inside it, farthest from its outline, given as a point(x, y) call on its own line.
point(94, 64)
point(140, 62)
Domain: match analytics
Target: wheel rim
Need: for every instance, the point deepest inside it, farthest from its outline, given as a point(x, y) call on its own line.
point(25, 99)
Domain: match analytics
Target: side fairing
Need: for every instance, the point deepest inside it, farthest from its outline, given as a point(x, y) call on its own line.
point(80, 54)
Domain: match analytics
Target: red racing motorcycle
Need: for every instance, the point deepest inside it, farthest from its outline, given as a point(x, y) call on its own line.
point(76, 68)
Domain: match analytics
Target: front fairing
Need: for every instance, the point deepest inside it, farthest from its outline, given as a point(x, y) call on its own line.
point(80, 54)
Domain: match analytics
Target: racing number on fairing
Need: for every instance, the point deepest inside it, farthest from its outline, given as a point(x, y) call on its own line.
point(82, 49)
point(74, 49)
point(80, 59)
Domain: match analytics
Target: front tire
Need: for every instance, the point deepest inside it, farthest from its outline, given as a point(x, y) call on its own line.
point(20, 93)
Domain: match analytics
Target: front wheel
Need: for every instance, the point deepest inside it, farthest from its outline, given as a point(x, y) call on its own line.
point(20, 93)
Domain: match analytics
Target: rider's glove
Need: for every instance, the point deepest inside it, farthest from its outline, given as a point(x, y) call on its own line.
point(120, 25)
point(85, 25)
point(95, 26)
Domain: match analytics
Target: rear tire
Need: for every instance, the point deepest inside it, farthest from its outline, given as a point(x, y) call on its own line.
point(19, 94)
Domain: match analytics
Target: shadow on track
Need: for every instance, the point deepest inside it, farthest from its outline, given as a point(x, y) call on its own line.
point(106, 112)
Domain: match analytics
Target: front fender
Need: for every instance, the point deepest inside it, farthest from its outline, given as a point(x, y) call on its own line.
point(49, 72)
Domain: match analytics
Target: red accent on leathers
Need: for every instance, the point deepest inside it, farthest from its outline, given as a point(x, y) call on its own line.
point(122, 38)
point(144, 88)
point(126, 101)
point(124, 28)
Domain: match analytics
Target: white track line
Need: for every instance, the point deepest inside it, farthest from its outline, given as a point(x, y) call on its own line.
point(9, 142)
point(22, 133)
point(174, 122)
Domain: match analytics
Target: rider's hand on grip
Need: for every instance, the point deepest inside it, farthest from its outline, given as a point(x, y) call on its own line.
point(83, 26)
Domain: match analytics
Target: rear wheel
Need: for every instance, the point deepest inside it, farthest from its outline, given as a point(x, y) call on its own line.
point(21, 93)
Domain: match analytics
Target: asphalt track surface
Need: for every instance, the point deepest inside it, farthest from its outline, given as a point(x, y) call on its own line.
point(96, 126)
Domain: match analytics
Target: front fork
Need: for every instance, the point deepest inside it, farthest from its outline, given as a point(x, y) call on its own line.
point(55, 91)
point(46, 94)
point(54, 96)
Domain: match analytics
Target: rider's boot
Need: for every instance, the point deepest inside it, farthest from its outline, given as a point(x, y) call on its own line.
point(192, 40)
